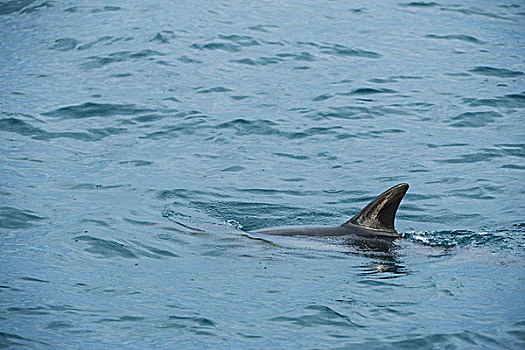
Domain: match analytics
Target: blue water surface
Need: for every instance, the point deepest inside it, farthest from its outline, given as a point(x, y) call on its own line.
point(141, 141)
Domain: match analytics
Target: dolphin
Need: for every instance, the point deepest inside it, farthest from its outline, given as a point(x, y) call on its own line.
point(376, 220)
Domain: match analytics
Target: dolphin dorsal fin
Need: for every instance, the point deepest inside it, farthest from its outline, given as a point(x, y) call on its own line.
point(380, 213)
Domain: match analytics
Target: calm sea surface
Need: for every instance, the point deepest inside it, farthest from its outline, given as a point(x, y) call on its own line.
point(141, 141)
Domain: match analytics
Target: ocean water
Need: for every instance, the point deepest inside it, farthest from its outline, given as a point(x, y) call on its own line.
point(141, 141)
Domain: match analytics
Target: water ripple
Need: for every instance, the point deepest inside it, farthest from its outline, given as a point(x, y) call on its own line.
point(110, 249)
point(496, 72)
point(323, 316)
point(13, 218)
point(92, 109)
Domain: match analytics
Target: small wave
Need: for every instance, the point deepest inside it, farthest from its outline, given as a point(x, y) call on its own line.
point(14, 6)
point(214, 89)
point(344, 51)
point(242, 40)
point(110, 249)
point(263, 28)
point(507, 101)
point(13, 340)
point(107, 39)
point(228, 47)
point(502, 150)
point(164, 37)
point(91, 110)
point(121, 56)
point(25, 129)
point(195, 324)
point(496, 72)
point(368, 91)
point(460, 37)
point(106, 9)
point(420, 4)
point(474, 119)
point(261, 61)
point(322, 316)
point(234, 168)
point(473, 11)
point(13, 218)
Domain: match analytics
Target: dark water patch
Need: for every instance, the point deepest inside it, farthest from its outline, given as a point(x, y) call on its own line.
point(56, 325)
point(12, 218)
point(234, 168)
point(322, 97)
point(99, 40)
point(93, 109)
point(420, 4)
point(186, 59)
point(263, 28)
point(164, 37)
point(247, 127)
point(261, 61)
point(165, 63)
point(36, 8)
point(8, 7)
point(122, 319)
point(32, 279)
point(368, 91)
point(192, 321)
point(458, 74)
point(303, 56)
point(430, 145)
point(228, 47)
point(181, 129)
point(507, 101)
point(294, 179)
point(64, 44)
point(513, 166)
point(239, 97)
point(344, 51)
point(120, 56)
point(474, 119)
point(214, 89)
point(291, 156)
point(33, 311)
point(139, 222)
point(107, 9)
point(242, 40)
point(323, 316)
point(379, 133)
point(121, 75)
point(148, 118)
point(465, 38)
point(10, 340)
point(496, 72)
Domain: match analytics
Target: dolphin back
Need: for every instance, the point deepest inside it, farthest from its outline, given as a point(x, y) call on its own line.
point(380, 213)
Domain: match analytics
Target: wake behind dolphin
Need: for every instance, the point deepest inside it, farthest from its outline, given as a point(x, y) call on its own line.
point(376, 220)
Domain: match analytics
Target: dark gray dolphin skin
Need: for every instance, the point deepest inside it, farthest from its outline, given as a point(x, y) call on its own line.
point(376, 220)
